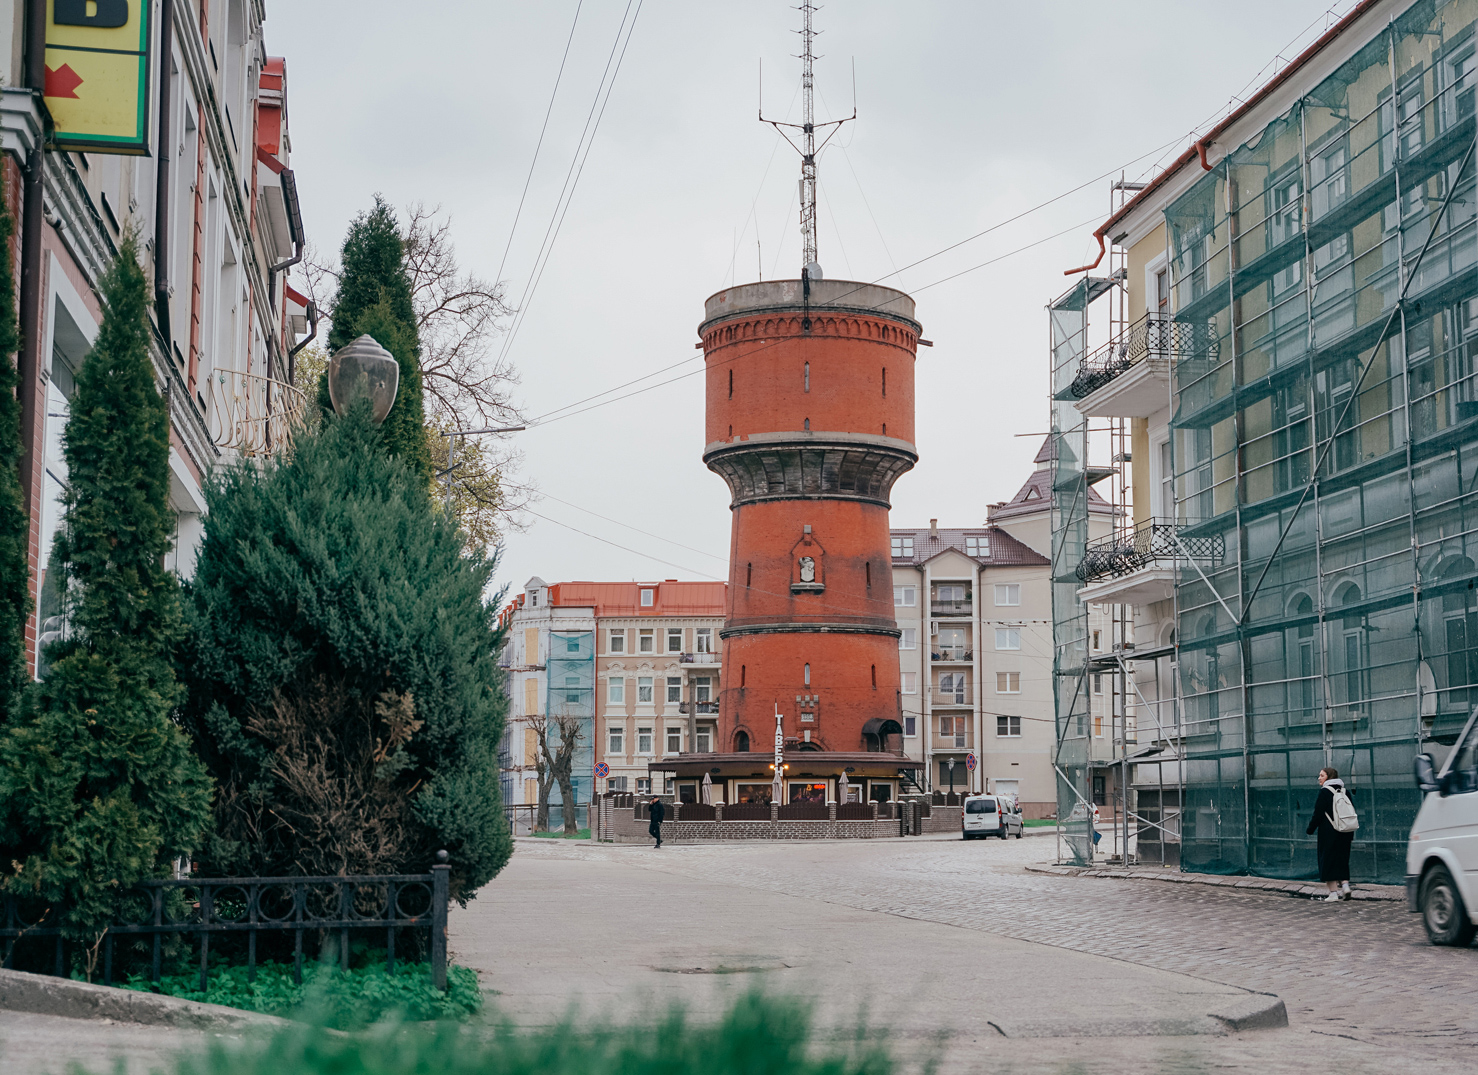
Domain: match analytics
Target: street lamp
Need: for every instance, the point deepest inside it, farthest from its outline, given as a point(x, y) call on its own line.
point(362, 369)
point(451, 450)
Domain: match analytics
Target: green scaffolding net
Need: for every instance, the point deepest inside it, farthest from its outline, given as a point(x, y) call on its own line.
point(1325, 397)
point(571, 693)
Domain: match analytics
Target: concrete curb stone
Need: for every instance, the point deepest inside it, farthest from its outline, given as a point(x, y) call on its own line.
point(42, 994)
point(1386, 893)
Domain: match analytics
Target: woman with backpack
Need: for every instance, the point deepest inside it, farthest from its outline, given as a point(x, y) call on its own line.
point(1335, 822)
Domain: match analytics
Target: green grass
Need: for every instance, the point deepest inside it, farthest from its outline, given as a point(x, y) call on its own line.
point(583, 834)
point(336, 998)
point(1039, 824)
point(758, 1035)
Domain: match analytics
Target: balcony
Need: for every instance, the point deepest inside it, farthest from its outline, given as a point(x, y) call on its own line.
point(951, 608)
point(951, 654)
point(253, 414)
point(1129, 377)
point(702, 707)
point(1137, 565)
point(698, 658)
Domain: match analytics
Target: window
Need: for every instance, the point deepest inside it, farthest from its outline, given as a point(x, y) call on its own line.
point(705, 740)
point(950, 595)
point(910, 683)
point(572, 644)
point(1167, 482)
point(644, 641)
point(667, 786)
point(1008, 638)
point(1097, 683)
point(1008, 727)
point(977, 545)
point(1096, 644)
point(646, 598)
point(705, 639)
point(1098, 727)
point(911, 726)
point(644, 740)
point(952, 731)
point(674, 740)
point(1008, 682)
point(903, 548)
point(808, 674)
point(952, 688)
point(617, 741)
point(702, 689)
point(909, 639)
point(674, 688)
point(1162, 293)
point(616, 691)
point(644, 690)
point(1008, 594)
point(572, 689)
point(905, 596)
point(617, 642)
point(616, 783)
point(644, 786)
point(674, 640)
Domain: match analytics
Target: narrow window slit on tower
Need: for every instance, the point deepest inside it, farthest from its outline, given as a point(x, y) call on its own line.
point(885, 382)
point(748, 574)
point(874, 677)
point(743, 673)
point(807, 377)
point(808, 674)
point(808, 424)
point(731, 384)
point(868, 568)
point(885, 429)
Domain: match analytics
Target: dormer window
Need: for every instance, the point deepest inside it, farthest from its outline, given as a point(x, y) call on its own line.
point(533, 599)
point(903, 548)
point(647, 598)
point(977, 545)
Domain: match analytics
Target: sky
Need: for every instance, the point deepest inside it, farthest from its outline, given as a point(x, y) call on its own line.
point(969, 114)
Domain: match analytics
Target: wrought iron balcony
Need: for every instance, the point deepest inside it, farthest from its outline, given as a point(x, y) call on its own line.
point(1152, 336)
point(702, 707)
point(253, 414)
point(698, 658)
point(1134, 548)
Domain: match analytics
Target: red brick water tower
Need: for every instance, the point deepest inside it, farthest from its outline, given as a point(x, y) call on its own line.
point(810, 420)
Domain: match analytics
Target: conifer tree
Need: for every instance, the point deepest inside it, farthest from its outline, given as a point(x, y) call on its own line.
point(374, 298)
point(341, 664)
point(98, 785)
point(15, 593)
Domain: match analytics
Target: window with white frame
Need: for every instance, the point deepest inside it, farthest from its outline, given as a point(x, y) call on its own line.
point(1008, 593)
point(646, 640)
point(902, 548)
point(952, 731)
point(644, 690)
point(616, 740)
point(616, 783)
point(644, 786)
point(1008, 682)
point(572, 690)
point(617, 642)
point(704, 640)
point(644, 740)
point(674, 640)
point(616, 690)
point(905, 596)
point(952, 689)
point(910, 682)
point(702, 689)
point(704, 740)
point(1008, 727)
point(674, 740)
point(647, 597)
point(1008, 638)
point(909, 639)
point(977, 545)
point(674, 688)
point(667, 785)
point(951, 595)
point(1097, 683)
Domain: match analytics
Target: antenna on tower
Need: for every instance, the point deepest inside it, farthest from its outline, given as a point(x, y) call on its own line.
point(808, 147)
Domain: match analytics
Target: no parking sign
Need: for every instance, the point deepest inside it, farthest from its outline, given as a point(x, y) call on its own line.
point(602, 770)
point(970, 762)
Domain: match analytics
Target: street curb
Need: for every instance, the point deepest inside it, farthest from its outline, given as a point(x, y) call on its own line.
point(41, 994)
point(1266, 1013)
point(1380, 893)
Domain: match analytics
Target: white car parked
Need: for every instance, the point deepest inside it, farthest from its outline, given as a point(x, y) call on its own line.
point(990, 815)
point(1442, 851)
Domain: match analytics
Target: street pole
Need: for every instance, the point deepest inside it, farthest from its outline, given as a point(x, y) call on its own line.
point(451, 451)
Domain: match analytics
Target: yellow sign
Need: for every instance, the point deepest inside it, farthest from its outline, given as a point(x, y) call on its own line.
point(97, 74)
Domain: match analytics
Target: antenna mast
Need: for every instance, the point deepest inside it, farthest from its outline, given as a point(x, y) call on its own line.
point(808, 147)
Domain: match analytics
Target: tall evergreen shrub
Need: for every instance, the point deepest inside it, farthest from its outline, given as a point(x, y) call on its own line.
point(98, 785)
point(341, 669)
point(15, 593)
point(374, 299)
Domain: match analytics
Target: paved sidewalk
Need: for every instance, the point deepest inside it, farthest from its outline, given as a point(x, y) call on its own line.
point(1388, 893)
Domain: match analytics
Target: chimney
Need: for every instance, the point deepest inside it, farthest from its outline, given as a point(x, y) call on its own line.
point(934, 529)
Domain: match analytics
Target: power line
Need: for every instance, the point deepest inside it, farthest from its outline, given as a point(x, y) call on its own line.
point(538, 145)
point(618, 522)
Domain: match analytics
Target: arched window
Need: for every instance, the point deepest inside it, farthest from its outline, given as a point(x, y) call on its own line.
point(1351, 651)
point(808, 675)
point(741, 742)
point(1299, 654)
point(806, 377)
point(1460, 637)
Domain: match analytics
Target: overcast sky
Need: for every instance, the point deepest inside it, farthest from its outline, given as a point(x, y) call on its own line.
point(968, 114)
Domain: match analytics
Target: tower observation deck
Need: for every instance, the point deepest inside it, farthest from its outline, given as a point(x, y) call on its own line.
point(810, 421)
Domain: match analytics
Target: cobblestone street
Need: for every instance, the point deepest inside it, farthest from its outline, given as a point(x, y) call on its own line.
point(1359, 980)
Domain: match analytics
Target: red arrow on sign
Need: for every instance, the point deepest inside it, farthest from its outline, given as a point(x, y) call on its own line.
point(62, 82)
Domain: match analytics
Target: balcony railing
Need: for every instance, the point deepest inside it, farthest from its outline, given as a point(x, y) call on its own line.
point(1133, 548)
point(951, 608)
point(1152, 336)
point(953, 653)
point(698, 658)
point(253, 414)
point(703, 707)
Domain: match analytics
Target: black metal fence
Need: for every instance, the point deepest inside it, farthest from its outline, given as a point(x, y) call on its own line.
point(328, 907)
point(1129, 549)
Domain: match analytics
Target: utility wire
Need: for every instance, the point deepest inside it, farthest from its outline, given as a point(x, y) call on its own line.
point(618, 522)
point(538, 145)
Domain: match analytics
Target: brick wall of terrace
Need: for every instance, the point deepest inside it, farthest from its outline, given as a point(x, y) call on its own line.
point(622, 823)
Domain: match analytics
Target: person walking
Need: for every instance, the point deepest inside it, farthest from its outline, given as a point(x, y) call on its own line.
point(1096, 834)
point(1334, 845)
point(657, 811)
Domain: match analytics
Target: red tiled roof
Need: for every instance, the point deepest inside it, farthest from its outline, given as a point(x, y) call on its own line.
point(1005, 550)
point(672, 598)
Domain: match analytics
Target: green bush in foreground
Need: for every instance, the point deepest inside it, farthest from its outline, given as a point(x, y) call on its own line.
point(757, 1035)
point(336, 998)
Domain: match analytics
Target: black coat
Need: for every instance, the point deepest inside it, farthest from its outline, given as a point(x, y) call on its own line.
point(1334, 846)
point(657, 813)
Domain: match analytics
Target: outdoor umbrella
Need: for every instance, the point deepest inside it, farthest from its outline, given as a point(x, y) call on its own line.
point(705, 794)
point(842, 786)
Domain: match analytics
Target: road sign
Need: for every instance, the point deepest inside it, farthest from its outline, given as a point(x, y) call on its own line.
point(970, 762)
point(602, 770)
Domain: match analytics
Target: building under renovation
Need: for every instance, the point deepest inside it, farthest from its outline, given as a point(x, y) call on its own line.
point(1290, 398)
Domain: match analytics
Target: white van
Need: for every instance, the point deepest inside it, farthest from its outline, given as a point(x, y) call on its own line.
point(990, 815)
point(1442, 851)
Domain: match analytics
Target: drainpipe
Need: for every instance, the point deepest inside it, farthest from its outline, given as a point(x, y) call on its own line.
point(1086, 268)
point(161, 178)
point(28, 361)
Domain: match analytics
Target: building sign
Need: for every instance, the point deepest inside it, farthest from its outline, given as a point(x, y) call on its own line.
point(97, 74)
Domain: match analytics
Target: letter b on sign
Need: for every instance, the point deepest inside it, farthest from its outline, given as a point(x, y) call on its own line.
point(99, 14)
